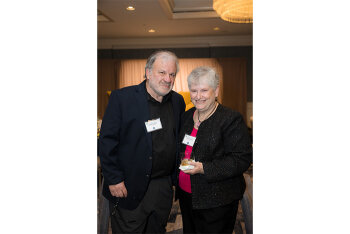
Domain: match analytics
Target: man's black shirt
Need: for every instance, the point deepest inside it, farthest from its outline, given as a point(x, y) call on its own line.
point(163, 140)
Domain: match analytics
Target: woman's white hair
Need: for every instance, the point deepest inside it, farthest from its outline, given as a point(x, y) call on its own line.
point(203, 73)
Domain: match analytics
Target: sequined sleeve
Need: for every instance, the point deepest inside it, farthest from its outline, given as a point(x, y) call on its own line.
point(237, 150)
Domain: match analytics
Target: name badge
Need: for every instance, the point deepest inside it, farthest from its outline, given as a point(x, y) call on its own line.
point(153, 125)
point(188, 140)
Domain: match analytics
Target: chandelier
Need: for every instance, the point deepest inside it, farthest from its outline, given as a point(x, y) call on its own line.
point(235, 11)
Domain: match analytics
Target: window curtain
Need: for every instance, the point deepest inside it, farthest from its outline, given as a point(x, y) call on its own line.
point(232, 72)
point(131, 72)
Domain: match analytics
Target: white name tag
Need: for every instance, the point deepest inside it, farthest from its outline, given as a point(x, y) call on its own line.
point(188, 140)
point(153, 125)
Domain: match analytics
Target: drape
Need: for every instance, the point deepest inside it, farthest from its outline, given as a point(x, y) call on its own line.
point(119, 73)
point(131, 72)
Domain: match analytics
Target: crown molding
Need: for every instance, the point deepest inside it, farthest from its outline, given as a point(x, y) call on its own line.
point(168, 7)
point(175, 42)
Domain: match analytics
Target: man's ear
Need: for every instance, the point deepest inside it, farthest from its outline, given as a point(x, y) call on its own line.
point(147, 73)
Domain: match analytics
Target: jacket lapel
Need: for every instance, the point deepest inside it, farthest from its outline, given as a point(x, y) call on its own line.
point(143, 109)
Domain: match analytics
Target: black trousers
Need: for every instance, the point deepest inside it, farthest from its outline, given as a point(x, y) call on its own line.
point(214, 220)
point(151, 215)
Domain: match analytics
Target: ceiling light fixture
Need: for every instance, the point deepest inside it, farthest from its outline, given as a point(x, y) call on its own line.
point(238, 11)
point(151, 31)
point(130, 8)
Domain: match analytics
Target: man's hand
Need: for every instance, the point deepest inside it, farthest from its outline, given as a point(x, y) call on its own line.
point(118, 190)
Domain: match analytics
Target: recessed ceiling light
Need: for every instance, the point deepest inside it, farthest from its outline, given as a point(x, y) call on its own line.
point(216, 29)
point(151, 31)
point(130, 8)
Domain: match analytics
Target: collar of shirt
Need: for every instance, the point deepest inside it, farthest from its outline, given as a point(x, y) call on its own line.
point(165, 98)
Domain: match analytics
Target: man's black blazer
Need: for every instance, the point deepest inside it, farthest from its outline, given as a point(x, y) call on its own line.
point(125, 144)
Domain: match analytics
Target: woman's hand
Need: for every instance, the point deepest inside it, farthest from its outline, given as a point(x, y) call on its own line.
point(198, 168)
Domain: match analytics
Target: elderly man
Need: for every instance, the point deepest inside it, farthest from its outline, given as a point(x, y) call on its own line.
point(138, 148)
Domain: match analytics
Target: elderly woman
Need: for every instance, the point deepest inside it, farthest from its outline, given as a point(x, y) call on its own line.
point(217, 138)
